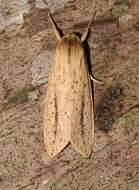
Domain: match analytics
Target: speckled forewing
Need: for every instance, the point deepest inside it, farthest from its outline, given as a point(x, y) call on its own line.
point(82, 120)
point(54, 137)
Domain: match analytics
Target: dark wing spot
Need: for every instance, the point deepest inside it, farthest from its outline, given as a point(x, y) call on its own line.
point(54, 131)
point(84, 142)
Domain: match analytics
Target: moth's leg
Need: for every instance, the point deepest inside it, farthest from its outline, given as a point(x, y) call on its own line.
point(95, 80)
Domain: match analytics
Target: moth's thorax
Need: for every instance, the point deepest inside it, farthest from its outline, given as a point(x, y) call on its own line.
point(70, 40)
point(69, 50)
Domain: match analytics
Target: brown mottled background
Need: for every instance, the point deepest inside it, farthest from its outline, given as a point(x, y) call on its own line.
point(27, 44)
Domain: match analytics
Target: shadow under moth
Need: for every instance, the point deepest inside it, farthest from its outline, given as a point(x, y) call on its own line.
point(68, 109)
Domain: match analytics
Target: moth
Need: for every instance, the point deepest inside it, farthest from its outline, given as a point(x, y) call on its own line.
point(68, 110)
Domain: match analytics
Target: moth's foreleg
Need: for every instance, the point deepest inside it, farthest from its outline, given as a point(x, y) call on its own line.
point(95, 80)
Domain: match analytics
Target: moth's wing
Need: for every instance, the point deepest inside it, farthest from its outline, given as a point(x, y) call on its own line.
point(54, 138)
point(82, 132)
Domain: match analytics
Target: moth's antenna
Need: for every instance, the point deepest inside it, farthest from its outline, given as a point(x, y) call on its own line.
point(55, 28)
point(85, 33)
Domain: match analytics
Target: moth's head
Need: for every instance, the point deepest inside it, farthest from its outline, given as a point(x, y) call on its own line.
point(59, 34)
point(72, 37)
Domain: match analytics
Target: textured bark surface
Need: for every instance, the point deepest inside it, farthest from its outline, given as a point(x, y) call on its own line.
point(27, 45)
